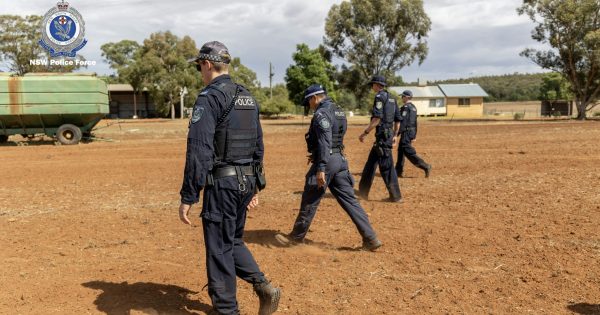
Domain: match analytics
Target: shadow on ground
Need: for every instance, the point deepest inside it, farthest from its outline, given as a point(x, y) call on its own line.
point(147, 297)
point(585, 308)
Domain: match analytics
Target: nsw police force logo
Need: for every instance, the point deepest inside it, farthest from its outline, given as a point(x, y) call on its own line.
point(63, 30)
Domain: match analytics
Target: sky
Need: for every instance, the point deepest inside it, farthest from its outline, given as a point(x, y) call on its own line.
point(467, 38)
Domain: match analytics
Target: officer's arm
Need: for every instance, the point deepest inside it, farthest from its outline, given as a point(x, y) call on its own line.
point(260, 147)
point(323, 131)
point(376, 114)
point(199, 151)
point(397, 120)
point(414, 113)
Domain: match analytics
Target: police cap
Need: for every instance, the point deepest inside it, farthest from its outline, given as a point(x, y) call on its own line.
point(314, 89)
point(213, 51)
point(379, 79)
point(407, 93)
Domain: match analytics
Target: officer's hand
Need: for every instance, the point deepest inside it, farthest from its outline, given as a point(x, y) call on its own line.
point(309, 159)
point(253, 203)
point(362, 137)
point(320, 179)
point(184, 210)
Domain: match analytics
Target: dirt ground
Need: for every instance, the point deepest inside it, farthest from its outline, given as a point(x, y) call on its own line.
point(506, 224)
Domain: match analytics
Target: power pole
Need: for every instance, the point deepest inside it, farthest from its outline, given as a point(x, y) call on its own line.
point(271, 74)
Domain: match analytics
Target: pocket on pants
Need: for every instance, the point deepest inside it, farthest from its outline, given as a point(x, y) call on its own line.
point(350, 178)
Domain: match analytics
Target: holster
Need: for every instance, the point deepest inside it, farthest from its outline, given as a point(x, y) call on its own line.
point(379, 150)
point(261, 180)
point(210, 180)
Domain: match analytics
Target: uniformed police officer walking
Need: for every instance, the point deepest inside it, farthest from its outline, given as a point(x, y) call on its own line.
point(408, 133)
point(224, 153)
point(385, 119)
point(325, 142)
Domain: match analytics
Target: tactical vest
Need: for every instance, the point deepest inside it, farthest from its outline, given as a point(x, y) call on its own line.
point(338, 130)
point(409, 117)
point(385, 127)
point(236, 134)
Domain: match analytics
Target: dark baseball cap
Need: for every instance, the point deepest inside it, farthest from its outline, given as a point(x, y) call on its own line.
point(379, 79)
point(407, 93)
point(314, 89)
point(213, 51)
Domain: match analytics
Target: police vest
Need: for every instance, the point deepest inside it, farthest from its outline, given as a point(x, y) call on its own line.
point(409, 117)
point(338, 130)
point(387, 121)
point(236, 134)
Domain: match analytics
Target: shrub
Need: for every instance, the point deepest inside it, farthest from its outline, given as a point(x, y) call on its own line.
point(519, 116)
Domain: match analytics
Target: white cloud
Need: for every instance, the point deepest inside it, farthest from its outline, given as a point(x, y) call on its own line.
point(264, 31)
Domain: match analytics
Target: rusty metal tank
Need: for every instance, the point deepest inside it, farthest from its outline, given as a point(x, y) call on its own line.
point(65, 106)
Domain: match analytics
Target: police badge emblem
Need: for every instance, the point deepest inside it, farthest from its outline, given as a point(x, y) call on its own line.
point(324, 123)
point(379, 105)
point(63, 31)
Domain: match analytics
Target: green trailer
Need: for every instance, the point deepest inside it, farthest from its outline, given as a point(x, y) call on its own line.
point(66, 106)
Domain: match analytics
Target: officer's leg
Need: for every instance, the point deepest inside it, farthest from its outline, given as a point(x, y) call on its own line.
point(368, 173)
point(219, 229)
point(311, 197)
point(245, 266)
point(389, 175)
point(411, 155)
point(341, 186)
point(401, 153)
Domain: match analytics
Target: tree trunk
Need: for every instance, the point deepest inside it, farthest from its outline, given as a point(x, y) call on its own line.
point(581, 110)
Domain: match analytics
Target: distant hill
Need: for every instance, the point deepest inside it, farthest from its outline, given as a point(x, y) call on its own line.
point(504, 88)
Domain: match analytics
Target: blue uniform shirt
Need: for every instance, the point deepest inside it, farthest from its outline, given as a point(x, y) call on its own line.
point(210, 106)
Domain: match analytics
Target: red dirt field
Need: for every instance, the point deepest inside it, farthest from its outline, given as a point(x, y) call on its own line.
point(506, 224)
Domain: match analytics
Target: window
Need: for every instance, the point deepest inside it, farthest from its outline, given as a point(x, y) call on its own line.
point(464, 102)
point(433, 103)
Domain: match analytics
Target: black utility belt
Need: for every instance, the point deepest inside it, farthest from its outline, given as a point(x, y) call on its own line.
point(226, 171)
point(409, 129)
point(333, 150)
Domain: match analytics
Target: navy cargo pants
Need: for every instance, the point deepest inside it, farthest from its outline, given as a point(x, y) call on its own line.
point(340, 183)
point(384, 158)
point(405, 149)
point(223, 221)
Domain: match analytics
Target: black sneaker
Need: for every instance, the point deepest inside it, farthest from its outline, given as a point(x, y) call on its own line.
point(396, 200)
point(427, 170)
point(268, 297)
point(372, 245)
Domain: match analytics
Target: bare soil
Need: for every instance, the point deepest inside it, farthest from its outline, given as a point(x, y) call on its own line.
point(506, 224)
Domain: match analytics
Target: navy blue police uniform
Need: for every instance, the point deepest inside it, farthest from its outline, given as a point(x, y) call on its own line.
point(386, 109)
point(407, 133)
point(224, 153)
point(325, 143)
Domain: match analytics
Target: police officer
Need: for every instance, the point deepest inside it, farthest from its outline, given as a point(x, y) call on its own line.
point(224, 153)
point(408, 133)
point(325, 142)
point(385, 119)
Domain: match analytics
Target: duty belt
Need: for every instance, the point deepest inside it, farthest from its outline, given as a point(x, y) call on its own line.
point(231, 170)
point(409, 129)
point(336, 150)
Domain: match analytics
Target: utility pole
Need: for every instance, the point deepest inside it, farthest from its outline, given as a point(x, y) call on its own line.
point(271, 74)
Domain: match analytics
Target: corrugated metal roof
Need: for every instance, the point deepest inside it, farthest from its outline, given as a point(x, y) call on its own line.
point(463, 90)
point(419, 91)
point(120, 88)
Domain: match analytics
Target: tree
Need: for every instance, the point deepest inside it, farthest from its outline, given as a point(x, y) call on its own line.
point(279, 104)
point(554, 87)
point(378, 36)
point(572, 29)
point(120, 55)
point(310, 67)
point(246, 77)
point(19, 38)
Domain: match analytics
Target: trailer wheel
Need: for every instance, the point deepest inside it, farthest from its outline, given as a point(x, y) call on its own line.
point(3, 138)
point(68, 134)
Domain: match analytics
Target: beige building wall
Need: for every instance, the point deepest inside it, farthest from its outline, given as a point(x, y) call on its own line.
point(423, 109)
point(474, 110)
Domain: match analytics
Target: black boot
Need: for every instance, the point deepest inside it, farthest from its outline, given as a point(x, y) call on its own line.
point(268, 297)
point(427, 170)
